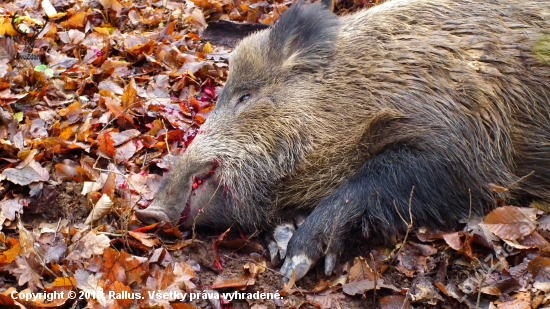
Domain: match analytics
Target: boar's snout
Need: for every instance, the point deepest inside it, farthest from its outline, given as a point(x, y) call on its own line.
point(184, 194)
point(151, 215)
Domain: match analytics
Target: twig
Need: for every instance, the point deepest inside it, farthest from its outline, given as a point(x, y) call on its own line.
point(409, 225)
point(375, 279)
point(25, 34)
point(166, 137)
point(199, 213)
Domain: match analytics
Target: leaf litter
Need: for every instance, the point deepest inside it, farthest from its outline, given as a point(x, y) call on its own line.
point(95, 102)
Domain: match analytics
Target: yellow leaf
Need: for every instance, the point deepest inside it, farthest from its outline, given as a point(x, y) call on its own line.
point(103, 30)
point(18, 116)
point(207, 48)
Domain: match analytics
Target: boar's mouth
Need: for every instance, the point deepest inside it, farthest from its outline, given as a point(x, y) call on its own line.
point(189, 202)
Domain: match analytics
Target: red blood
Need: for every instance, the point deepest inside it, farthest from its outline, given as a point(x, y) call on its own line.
point(189, 136)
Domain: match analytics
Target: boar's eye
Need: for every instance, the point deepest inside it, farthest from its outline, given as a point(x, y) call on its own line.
point(245, 97)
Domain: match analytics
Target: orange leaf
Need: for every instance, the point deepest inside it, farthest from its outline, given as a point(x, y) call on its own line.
point(6, 299)
point(109, 186)
point(9, 255)
point(122, 293)
point(106, 144)
point(129, 96)
point(78, 20)
point(67, 133)
point(64, 281)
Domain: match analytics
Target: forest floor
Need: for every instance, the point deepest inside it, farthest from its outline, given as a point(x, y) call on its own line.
point(95, 101)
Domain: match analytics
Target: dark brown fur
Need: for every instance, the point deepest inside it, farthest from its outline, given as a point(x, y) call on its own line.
point(345, 116)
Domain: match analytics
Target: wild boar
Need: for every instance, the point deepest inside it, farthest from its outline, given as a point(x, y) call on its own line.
point(347, 119)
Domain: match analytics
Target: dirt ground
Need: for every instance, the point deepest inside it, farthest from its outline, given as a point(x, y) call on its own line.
point(315, 290)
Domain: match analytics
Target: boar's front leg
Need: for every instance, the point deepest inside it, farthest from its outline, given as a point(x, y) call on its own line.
point(369, 199)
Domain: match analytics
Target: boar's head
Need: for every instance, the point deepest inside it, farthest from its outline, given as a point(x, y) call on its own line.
point(262, 130)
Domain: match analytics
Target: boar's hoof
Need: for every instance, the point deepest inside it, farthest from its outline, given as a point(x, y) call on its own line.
point(300, 264)
point(304, 249)
point(278, 245)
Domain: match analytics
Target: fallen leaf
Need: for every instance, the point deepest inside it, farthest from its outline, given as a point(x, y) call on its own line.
point(9, 209)
point(511, 223)
point(360, 287)
point(102, 208)
point(26, 274)
point(90, 244)
point(106, 145)
point(90, 285)
point(394, 302)
point(361, 271)
point(32, 172)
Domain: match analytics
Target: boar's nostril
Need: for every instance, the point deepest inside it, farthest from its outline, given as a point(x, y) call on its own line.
point(150, 216)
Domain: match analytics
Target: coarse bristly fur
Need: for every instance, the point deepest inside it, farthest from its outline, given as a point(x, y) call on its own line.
point(345, 116)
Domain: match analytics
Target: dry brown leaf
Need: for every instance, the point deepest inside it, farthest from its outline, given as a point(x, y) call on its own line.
point(130, 95)
point(9, 209)
point(7, 300)
point(112, 4)
point(102, 208)
point(394, 302)
point(360, 287)
point(72, 36)
point(453, 240)
point(124, 136)
point(511, 223)
point(538, 268)
point(90, 244)
point(215, 250)
point(413, 258)
point(88, 283)
point(326, 301)
point(236, 283)
point(146, 239)
point(67, 171)
point(64, 282)
point(32, 172)
point(533, 240)
point(26, 273)
point(110, 186)
point(544, 222)
point(122, 294)
point(521, 301)
point(125, 152)
point(184, 274)
point(361, 271)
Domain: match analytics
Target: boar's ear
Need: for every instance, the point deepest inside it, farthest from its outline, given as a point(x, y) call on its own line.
point(305, 37)
point(329, 4)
